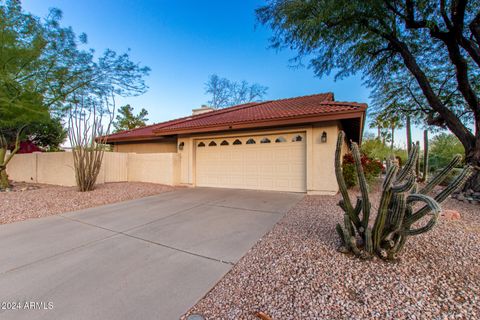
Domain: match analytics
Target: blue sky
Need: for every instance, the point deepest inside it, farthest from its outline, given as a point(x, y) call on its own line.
point(183, 42)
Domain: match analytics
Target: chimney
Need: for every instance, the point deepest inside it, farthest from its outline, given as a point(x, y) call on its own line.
point(202, 109)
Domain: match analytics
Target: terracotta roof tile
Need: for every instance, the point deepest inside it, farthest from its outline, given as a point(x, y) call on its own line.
point(312, 105)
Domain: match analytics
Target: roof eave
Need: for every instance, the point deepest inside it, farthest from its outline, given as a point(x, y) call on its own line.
point(267, 123)
point(133, 139)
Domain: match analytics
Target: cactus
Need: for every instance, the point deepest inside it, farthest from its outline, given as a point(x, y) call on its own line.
point(409, 133)
point(397, 211)
point(425, 156)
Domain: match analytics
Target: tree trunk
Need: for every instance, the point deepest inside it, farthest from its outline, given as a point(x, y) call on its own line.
point(473, 158)
point(3, 170)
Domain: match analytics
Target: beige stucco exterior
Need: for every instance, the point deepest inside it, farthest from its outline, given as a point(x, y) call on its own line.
point(301, 167)
point(57, 168)
point(146, 147)
point(319, 157)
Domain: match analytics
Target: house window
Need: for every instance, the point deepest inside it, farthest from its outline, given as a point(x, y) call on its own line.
point(212, 144)
point(237, 142)
point(250, 141)
point(280, 140)
point(265, 140)
point(181, 145)
point(297, 138)
point(201, 144)
point(224, 143)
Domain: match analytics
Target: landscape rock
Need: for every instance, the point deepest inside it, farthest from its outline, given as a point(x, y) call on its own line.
point(295, 272)
point(451, 215)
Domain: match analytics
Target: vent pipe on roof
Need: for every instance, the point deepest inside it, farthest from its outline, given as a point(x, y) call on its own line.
point(202, 109)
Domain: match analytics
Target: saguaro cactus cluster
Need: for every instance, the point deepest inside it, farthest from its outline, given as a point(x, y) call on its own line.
point(397, 210)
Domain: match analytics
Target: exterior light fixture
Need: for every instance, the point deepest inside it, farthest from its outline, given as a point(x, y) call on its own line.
point(323, 139)
point(181, 145)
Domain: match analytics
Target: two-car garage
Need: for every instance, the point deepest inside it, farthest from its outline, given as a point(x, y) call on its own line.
point(279, 145)
point(261, 162)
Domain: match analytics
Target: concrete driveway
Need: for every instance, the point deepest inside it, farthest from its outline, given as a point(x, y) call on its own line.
point(150, 258)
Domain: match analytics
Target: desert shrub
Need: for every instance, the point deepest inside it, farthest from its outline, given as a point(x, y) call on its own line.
point(443, 148)
point(375, 149)
point(349, 174)
point(372, 169)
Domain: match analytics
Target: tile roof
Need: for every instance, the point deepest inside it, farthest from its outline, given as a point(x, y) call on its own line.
point(291, 108)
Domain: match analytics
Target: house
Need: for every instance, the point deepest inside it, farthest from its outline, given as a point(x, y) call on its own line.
point(283, 145)
point(28, 147)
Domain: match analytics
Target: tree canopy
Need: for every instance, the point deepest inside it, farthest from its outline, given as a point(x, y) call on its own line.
point(126, 120)
point(443, 148)
point(421, 51)
point(225, 92)
point(43, 65)
point(45, 68)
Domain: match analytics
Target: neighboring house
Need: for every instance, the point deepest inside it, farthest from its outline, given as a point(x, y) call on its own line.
point(283, 145)
point(28, 147)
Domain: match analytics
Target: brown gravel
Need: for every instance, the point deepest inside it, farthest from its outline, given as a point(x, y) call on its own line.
point(295, 272)
point(48, 200)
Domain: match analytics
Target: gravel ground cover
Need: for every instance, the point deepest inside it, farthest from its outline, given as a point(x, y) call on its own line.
point(295, 272)
point(45, 200)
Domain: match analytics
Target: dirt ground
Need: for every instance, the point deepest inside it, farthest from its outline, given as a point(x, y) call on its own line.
point(27, 200)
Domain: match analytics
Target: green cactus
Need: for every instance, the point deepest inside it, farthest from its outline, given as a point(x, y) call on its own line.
point(395, 217)
point(425, 156)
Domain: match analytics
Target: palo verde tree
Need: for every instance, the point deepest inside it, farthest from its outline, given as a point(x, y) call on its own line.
point(42, 65)
point(432, 45)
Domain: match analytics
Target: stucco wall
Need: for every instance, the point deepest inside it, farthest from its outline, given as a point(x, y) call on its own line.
point(174, 168)
point(147, 147)
point(23, 167)
point(57, 168)
point(320, 168)
point(322, 157)
point(161, 168)
point(186, 160)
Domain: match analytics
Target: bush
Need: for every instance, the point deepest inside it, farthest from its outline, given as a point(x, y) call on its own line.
point(349, 174)
point(371, 168)
point(375, 149)
point(443, 148)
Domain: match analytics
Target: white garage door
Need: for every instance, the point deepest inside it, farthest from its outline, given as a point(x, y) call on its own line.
point(269, 162)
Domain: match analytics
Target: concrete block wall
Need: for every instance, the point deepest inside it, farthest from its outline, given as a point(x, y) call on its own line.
point(57, 168)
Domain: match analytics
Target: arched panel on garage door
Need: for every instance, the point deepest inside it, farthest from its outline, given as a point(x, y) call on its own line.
point(244, 164)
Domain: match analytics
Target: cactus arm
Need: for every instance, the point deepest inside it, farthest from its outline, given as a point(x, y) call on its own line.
point(425, 156)
point(340, 232)
point(459, 180)
point(406, 186)
point(348, 239)
point(409, 165)
point(397, 215)
point(438, 178)
point(383, 207)
point(431, 206)
point(347, 204)
point(368, 241)
point(358, 206)
point(417, 161)
point(362, 181)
